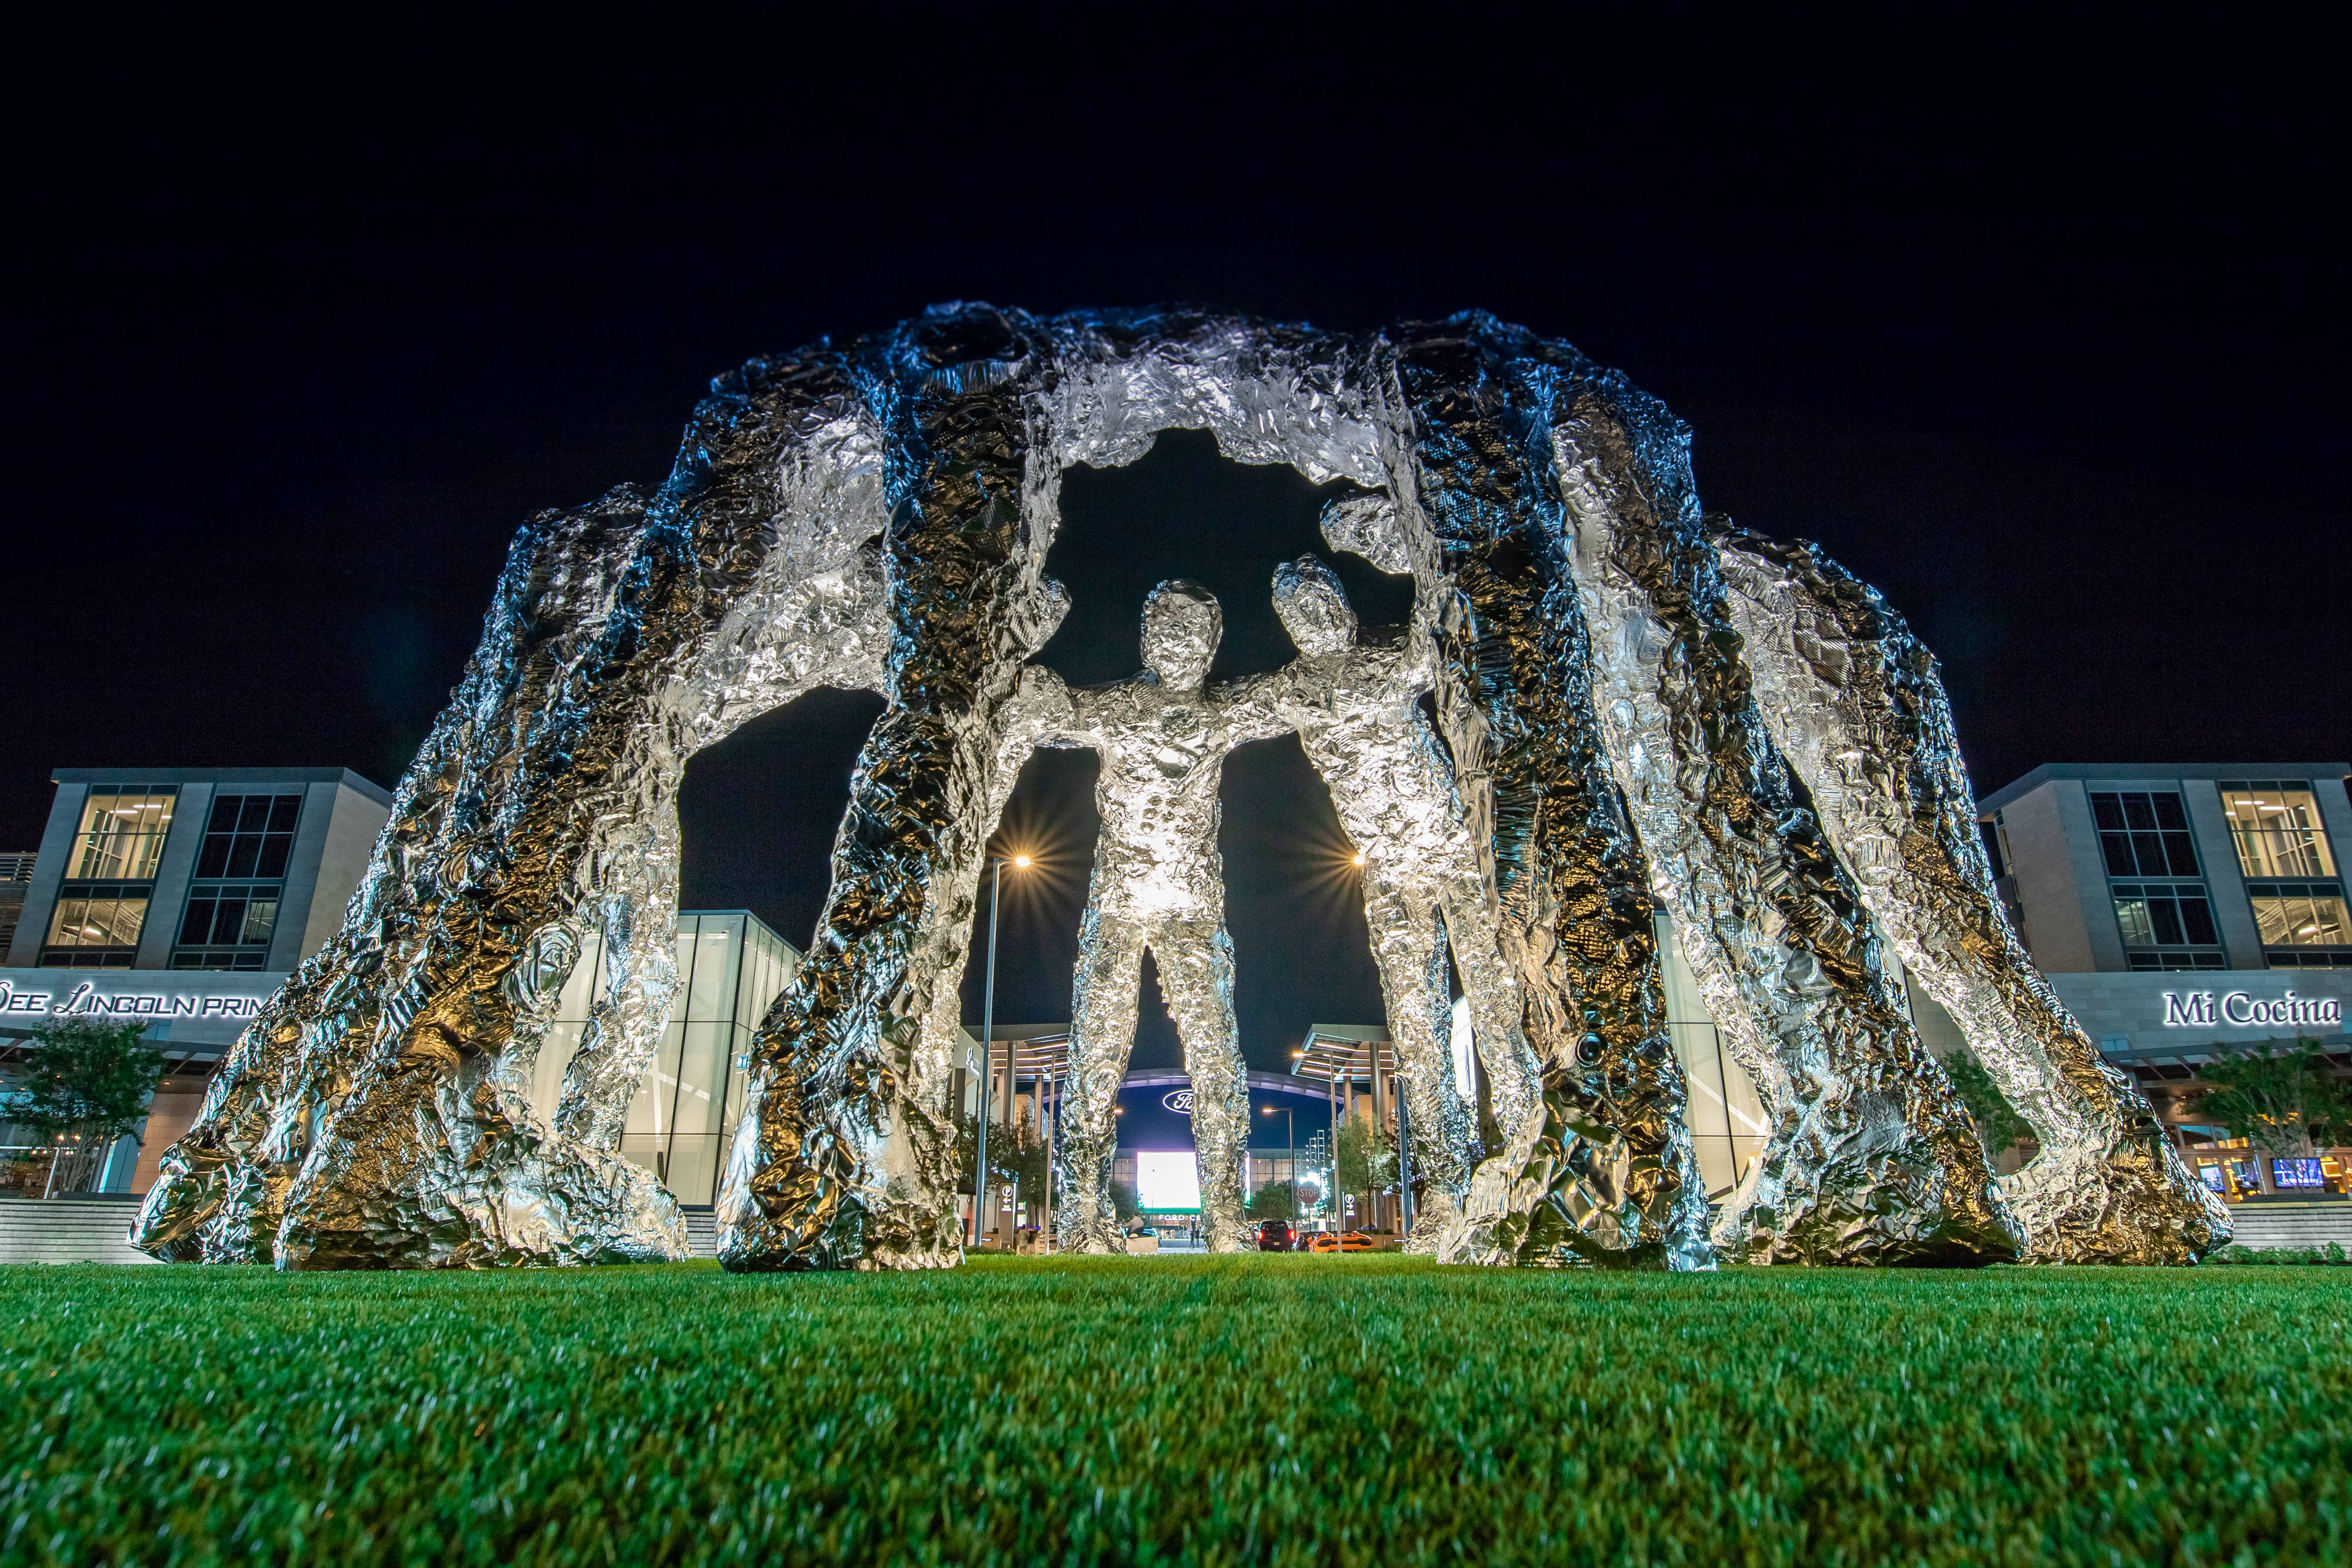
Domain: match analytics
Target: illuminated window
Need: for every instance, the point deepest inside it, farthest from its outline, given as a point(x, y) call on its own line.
point(2277, 826)
point(2145, 834)
point(122, 829)
point(2162, 922)
point(249, 835)
point(96, 928)
point(2301, 921)
point(226, 928)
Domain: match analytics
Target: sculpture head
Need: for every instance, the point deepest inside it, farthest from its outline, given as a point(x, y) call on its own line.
point(1182, 624)
point(1314, 608)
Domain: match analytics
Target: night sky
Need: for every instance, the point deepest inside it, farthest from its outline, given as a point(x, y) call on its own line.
point(2041, 332)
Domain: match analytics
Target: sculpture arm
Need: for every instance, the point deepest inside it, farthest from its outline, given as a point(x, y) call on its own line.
point(1258, 707)
point(1044, 711)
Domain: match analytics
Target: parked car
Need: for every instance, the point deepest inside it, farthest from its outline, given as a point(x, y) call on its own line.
point(1346, 1241)
point(1323, 1241)
point(1274, 1236)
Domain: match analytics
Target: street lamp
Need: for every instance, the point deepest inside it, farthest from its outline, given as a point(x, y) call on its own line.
point(986, 1203)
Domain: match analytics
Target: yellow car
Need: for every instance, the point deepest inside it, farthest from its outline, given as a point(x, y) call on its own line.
point(1346, 1241)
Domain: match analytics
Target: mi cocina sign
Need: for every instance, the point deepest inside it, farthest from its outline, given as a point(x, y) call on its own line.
point(84, 1000)
point(2243, 1010)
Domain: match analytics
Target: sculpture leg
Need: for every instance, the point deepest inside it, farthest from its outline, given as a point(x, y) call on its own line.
point(1196, 975)
point(1872, 1158)
point(1409, 946)
point(1102, 1036)
point(1556, 881)
point(1514, 1077)
point(1856, 701)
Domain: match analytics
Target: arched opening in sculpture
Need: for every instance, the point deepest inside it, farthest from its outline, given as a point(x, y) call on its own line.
point(1627, 691)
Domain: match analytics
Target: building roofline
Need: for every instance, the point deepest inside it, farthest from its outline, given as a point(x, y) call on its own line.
point(2050, 772)
point(798, 956)
point(343, 776)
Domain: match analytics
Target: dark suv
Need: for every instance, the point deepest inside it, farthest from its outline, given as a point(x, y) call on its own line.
point(1274, 1236)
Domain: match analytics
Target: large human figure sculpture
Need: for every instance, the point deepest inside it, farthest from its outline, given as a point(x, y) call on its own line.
point(1354, 706)
point(1159, 886)
point(1648, 714)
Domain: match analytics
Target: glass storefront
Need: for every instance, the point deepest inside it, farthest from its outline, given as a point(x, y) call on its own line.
point(730, 967)
point(1727, 1123)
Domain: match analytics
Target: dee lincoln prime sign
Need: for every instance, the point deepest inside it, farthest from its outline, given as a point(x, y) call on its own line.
point(115, 998)
point(196, 1015)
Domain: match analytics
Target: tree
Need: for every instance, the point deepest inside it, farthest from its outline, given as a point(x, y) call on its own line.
point(1275, 1200)
point(86, 1084)
point(2287, 1103)
point(1018, 1154)
point(1998, 1126)
point(1364, 1158)
point(1122, 1201)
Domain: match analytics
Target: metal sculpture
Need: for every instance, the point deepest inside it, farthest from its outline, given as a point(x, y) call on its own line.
point(1625, 730)
point(1355, 706)
point(1159, 885)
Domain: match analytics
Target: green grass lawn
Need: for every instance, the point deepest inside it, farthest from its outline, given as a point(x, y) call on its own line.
point(1284, 1409)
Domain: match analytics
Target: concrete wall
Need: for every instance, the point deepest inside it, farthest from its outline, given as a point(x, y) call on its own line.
point(49, 870)
point(2124, 1014)
point(2048, 880)
point(352, 832)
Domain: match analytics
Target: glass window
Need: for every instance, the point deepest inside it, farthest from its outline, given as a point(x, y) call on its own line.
point(2299, 914)
point(2145, 834)
point(2165, 914)
point(229, 922)
point(122, 829)
point(2277, 826)
point(2177, 958)
point(249, 835)
point(96, 927)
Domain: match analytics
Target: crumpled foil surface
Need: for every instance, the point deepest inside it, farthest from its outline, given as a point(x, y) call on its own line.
point(1856, 701)
point(1159, 884)
point(1603, 1171)
point(876, 515)
point(1871, 1156)
point(1355, 706)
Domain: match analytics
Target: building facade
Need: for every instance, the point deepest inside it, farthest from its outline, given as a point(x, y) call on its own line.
point(211, 870)
point(181, 898)
point(730, 967)
point(2184, 910)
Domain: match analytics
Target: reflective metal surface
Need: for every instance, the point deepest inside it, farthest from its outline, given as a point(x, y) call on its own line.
point(1871, 1156)
point(877, 516)
point(1855, 700)
point(1159, 885)
point(1355, 706)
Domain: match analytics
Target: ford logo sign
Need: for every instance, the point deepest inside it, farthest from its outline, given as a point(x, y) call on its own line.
point(1178, 1101)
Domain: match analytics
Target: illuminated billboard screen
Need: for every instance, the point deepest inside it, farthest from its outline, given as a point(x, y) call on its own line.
point(1166, 1180)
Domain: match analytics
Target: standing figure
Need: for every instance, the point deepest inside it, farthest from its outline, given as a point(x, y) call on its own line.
point(1355, 710)
point(1158, 884)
